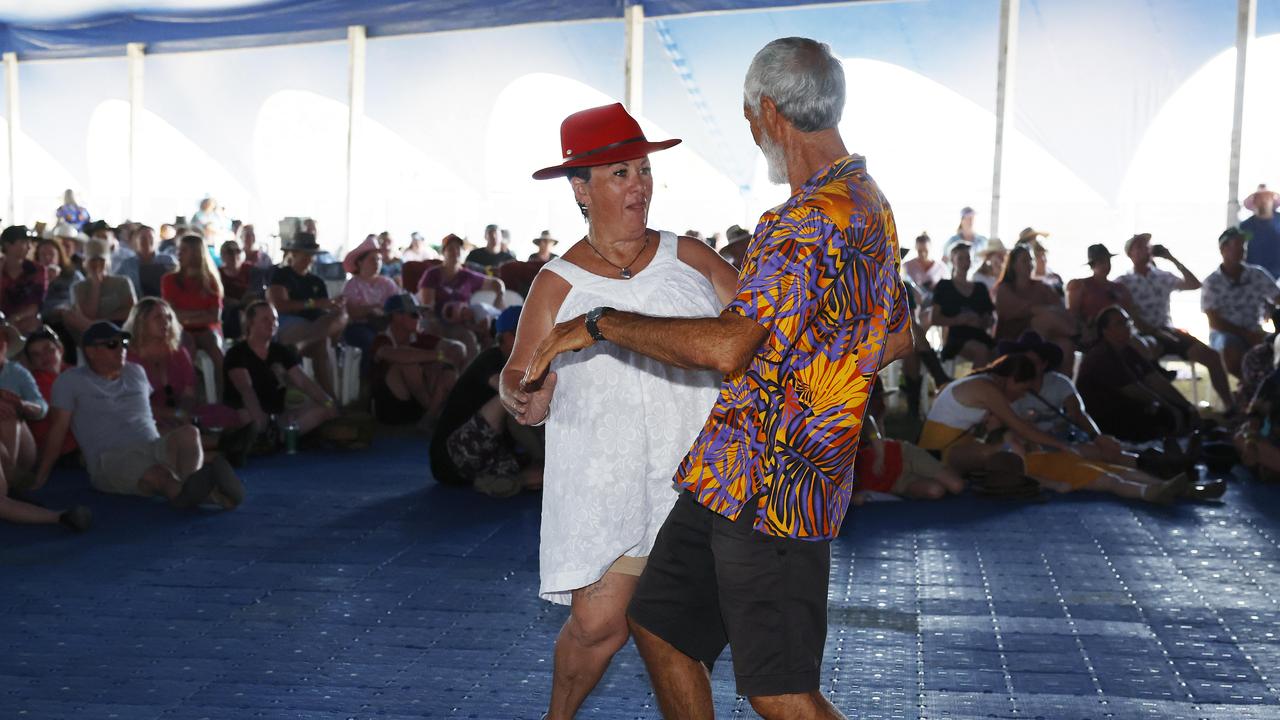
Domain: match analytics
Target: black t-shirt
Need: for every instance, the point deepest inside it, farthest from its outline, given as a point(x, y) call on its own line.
point(952, 303)
point(469, 394)
point(267, 384)
point(300, 287)
point(484, 258)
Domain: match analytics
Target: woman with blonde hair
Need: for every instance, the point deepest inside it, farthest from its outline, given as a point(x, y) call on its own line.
point(194, 291)
point(156, 345)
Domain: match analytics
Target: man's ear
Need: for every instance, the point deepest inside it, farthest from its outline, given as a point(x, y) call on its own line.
point(769, 117)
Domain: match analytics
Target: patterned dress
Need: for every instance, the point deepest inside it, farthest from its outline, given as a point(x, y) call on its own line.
point(619, 424)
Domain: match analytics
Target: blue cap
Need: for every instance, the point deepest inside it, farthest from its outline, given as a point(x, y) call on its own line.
point(508, 320)
point(103, 331)
point(402, 303)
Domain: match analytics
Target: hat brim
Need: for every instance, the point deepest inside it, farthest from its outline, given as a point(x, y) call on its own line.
point(1251, 202)
point(622, 153)
point(122, 335)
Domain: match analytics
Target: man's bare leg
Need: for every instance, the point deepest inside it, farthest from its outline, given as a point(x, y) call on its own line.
point(800, 706)
point(595, 631)
point(682, 684)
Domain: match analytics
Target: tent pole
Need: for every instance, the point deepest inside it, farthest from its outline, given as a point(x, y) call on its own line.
point(1005, 67)
point(356, 38)
point(11, 112)
point(1246, 27)
point(634, 22)
point(135, 53)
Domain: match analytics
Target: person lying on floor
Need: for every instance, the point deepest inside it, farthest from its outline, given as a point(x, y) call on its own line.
point(107, 402)
point(897, 467)
point(969, 409)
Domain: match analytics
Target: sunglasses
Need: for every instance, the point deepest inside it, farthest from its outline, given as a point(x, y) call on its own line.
point(113, 344)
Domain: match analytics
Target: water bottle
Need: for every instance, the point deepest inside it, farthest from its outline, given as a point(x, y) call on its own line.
point(291, 438)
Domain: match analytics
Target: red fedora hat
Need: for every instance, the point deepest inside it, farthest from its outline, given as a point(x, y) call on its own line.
point(600, 136)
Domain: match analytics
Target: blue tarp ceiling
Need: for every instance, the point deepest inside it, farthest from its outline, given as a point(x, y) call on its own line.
point(85, 28)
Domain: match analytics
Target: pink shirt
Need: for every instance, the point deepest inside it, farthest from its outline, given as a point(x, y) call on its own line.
point(373, 292)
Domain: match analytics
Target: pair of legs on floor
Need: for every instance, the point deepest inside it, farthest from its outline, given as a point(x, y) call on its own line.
point(18, 454)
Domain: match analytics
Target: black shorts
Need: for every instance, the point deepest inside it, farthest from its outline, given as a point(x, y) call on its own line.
point(391, 410)
point(1174, 342)
point(712, 582)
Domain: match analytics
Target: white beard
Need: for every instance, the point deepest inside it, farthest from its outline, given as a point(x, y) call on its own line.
point(774, 159)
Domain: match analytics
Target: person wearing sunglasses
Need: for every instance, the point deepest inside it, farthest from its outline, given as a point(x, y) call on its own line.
point(413, 371)
point(106, 401)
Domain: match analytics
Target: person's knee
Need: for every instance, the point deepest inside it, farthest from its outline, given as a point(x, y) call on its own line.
point(778, 707)
point(598, 629)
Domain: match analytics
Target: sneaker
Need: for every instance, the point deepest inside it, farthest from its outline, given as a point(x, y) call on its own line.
point(77, 519)
point(1211, 490)
point(228, 491)
point(196, 488)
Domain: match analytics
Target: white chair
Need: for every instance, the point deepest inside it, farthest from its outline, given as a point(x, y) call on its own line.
point(204, 364)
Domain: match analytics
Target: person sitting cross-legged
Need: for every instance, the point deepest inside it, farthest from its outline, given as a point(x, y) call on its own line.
point(107, 403)
point(413, 372)
point(475, 441)
point(259, 372)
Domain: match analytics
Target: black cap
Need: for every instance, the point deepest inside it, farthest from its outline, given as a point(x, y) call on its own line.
point(1235, 231)
point(1099, 252)
point(402, 303)
point(14, 233)
point(103, 331)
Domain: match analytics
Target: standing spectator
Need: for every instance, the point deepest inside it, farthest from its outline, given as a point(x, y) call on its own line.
point(965, 309)
point(544, 243)
point(965, 233)
point(22, 282)
point(924, 271)
point(308, 319)
point(209, 215)
point(365, 293)
point(147, 266)
point(235, 286)
point(70, 212)
point(1150, 289)
point(44, 359)
point(1236, 297)
point(106, 403)
point(413, 372)
point(418, 250)
point(194, 291)
point(446, 290)
point(100, 296)
point(260, 371)
point(1024, 303)
point(1263, 230)
point(491, 255)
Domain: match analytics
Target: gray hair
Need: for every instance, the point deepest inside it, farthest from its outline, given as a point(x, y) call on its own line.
point(804, 80)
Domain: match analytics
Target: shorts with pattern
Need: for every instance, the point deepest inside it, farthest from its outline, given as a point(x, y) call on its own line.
point(477, 449)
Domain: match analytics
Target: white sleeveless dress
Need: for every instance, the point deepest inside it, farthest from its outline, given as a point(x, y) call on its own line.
point(619, 426)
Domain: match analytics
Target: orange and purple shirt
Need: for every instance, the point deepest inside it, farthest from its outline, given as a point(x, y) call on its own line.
point(821, 275)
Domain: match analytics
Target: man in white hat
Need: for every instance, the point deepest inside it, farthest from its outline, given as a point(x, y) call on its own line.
point(1263, 229)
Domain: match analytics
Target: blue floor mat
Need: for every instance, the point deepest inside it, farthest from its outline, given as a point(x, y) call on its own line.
point(351, 586)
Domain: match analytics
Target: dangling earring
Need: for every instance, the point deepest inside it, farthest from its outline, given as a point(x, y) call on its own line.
point(583, 208)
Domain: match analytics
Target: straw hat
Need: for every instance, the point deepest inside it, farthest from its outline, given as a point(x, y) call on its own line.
point(1251, 202)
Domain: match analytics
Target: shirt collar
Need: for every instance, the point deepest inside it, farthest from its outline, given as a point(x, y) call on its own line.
point(839, 169)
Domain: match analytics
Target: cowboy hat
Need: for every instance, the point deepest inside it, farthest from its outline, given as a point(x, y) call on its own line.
point(302, 242)
point(1251, 202)
point(353, 258)
point(1030, 233)
point(1139, 237)
point(1097, 253)
point(546, 235)
point(600, 136)
point(992, 246)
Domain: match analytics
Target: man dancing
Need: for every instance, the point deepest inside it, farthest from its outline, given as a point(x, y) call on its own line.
point(744, 557)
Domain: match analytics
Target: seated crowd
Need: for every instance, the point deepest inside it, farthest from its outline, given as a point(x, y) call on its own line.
point(163, 360)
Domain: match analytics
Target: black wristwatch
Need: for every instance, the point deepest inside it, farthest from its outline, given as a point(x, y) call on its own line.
point(593, 316)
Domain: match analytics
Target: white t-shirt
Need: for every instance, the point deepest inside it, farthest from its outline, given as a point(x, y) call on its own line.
point(106, 414)
point(1056, 390)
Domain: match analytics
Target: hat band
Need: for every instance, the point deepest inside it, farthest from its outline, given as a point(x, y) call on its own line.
point(607, 148)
